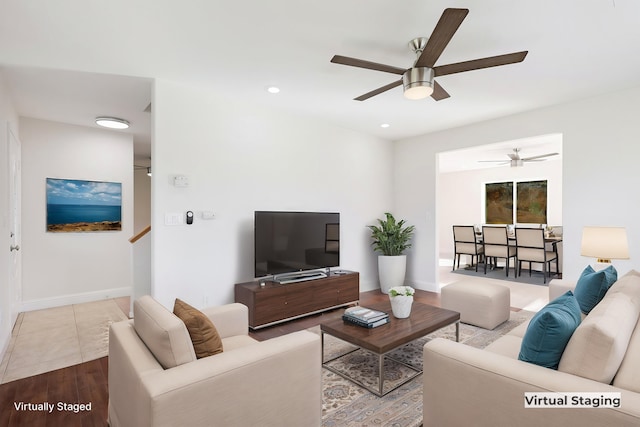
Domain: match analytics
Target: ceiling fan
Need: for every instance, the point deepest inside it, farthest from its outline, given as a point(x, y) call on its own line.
point(418, 81)
point(517, 161)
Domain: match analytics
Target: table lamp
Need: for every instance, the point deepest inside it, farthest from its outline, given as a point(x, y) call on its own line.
point(605, 243)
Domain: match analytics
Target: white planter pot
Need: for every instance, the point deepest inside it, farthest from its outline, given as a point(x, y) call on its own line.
point(391, 271)
point(401, 306)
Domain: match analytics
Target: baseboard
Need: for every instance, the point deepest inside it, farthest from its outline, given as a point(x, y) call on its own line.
point(40, 304)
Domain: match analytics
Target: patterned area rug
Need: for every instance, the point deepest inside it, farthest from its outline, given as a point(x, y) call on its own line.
point(346, 404)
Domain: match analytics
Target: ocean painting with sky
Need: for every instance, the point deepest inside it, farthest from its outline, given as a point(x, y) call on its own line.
point(76, 206)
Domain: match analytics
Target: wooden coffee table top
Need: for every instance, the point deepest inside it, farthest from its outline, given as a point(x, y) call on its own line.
point(424, 319)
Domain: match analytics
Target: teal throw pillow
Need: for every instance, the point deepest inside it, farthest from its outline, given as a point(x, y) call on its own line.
point(593, 285)
point(549, 331)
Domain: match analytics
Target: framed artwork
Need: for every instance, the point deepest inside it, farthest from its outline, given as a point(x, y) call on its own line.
point(499, 203)
point(79, 206)
point(532, 202)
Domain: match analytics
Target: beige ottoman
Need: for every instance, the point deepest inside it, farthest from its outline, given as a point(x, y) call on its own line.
point(481, 304)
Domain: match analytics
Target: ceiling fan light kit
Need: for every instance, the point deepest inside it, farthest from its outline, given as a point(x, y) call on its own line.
point(418, 81)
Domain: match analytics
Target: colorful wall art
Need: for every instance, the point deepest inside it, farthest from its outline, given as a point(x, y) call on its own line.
point(80, 206)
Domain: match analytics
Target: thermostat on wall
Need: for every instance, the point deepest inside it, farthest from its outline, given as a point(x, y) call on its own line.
point(181, 181)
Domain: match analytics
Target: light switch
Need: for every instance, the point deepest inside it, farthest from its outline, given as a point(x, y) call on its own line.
point(173, 219)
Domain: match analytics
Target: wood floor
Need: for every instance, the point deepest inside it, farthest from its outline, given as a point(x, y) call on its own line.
point(87, 382)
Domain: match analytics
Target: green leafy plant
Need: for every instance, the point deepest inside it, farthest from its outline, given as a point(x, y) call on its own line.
point(406, 291)
point(391, 237)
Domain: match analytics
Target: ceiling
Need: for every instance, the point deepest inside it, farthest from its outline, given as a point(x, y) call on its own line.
point(71, 60)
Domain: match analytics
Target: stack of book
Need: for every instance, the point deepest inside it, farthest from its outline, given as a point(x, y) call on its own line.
point(365, 317)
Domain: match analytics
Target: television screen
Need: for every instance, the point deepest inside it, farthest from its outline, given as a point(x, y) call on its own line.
point(286, 242)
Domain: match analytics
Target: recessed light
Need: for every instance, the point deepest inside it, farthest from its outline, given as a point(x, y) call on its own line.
point(273, 89)
point(384, 125)
point(112, 122)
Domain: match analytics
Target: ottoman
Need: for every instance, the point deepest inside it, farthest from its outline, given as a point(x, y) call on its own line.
point(481, 304)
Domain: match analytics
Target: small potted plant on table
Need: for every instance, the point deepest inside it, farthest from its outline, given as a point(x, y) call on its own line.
point(401, 298)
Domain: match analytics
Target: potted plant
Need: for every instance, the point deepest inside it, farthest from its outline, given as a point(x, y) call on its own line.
point(401, 298)
point(391, 238)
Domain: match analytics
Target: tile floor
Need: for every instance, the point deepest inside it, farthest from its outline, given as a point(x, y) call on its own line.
point(45, 340)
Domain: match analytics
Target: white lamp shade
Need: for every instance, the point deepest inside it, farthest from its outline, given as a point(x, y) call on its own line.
point(605, 243)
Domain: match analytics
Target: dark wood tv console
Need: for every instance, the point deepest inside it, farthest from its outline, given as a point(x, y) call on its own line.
point(275, 303)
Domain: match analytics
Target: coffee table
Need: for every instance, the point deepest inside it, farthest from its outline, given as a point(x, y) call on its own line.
point(424, 319)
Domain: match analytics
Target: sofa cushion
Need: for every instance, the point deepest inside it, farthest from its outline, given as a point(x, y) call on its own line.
point(593, 285)
point(164, 334)
point(628, 376)
point(598, 346)
point(549, 331)
point(204, 335)
point(629, 284)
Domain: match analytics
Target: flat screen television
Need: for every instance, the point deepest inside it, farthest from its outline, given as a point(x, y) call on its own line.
point(287, 242)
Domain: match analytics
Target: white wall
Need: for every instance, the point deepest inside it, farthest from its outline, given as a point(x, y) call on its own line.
point(242, 158)
point(66, 268)
point(8, 118)
point(600, 152)
point(462, 201)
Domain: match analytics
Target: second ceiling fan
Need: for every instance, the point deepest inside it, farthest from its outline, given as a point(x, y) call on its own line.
point(418, 81)
point(517, 161)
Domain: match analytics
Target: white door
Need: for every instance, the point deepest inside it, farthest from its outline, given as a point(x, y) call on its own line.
point(15, 266)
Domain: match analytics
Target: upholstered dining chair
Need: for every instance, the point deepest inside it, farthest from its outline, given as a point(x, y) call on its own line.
point(530, 247)
point(496, 246)
point(466, 243)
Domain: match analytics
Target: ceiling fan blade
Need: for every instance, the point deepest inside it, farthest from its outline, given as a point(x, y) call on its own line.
point(378, 91)
point(353, 62)
point(478, 64)
point(438, 92)
point(443, 32)
point(533, 158)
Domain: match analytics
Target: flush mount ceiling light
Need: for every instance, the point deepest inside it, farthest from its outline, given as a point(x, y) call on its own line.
point(112, 122)
point(273, 89)
point(384, 125)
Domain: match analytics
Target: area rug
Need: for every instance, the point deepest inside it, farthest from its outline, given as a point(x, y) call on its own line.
point(536, 277)
point(345, 404)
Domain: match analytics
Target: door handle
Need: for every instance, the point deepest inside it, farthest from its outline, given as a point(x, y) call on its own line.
point(15, 247)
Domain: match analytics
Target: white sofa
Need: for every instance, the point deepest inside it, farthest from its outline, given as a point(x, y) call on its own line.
point(156, 380)
point(468, 386)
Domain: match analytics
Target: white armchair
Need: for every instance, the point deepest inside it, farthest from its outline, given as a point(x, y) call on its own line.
point(155, 379)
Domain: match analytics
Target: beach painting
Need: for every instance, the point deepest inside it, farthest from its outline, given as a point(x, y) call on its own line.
point(79, 206)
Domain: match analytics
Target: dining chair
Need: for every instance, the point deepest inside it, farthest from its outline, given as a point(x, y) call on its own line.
point(466, 243)
point(496, 246)
point(531, 248)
